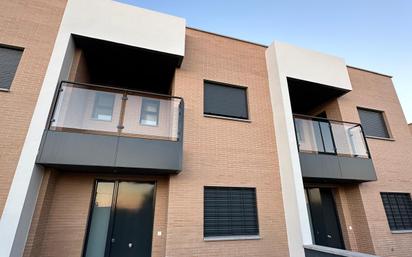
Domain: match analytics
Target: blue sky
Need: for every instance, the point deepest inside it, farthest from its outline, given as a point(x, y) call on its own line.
point(371, 34)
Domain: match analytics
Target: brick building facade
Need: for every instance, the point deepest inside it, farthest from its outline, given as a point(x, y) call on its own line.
point(251, 150)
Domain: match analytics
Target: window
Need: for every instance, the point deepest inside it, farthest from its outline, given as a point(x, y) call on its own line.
point(227, 101)
point(299, 127)
point(149, 115)
point(373, 123)
point(9, 60)
point(398, 208)
point(230, 211)
point(103, 106)
point(99, 225)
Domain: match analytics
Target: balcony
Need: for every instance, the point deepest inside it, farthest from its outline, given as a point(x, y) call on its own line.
point(98, 128)
point(332, 150)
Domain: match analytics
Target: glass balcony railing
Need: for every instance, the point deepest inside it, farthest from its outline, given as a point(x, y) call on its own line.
point(87, 108)
point(318, 135)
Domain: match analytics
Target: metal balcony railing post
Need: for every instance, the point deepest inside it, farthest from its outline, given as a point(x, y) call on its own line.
point(180, 121)
point(56, 96)
point(365, 141)
point(120, 125)
point(333, 138)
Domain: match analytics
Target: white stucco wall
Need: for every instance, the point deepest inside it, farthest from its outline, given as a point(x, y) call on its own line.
point(125, 24)
point(304, 64)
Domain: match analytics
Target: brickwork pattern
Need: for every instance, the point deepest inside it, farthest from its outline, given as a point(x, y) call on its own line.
point(220, 152)
point(60, 221)
point(354, 225)
point(39, 221)
point(392, 159)
point(33, 26)
point(217, 152)
point(217, 157)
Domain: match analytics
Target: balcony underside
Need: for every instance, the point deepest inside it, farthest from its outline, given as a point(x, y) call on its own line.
point(108, 153)
point(325, 167)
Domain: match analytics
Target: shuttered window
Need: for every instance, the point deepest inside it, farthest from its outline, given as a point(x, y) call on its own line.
point(373, 123)
point(224, 100)
point(9, 60)
point(398, 208)
point(230, 211)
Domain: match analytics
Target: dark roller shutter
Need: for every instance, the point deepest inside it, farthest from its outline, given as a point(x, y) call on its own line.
point(226, 101)
point(9, 60)
point(230, 211)
point(373, 123)
point(398, 208)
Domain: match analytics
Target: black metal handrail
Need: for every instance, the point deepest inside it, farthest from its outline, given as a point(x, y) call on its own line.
point(126, 90)
point(308, 117)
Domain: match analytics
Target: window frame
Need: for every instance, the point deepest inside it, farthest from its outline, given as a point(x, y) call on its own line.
point(17, 48)
point(231, 236)
point(96, 106)
point(227, 117)
point(385, 122)
point(143, 111)
point(395, 228)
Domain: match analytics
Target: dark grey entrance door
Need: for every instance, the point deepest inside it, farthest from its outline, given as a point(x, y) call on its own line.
point(121, 224)
point(325, 222)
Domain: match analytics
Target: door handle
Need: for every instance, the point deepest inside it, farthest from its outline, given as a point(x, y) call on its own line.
point(329, 236)
point(130, 245)
point(113, 240)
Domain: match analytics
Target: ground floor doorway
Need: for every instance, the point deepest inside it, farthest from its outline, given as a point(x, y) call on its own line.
point(121, 220)
point(325, 223)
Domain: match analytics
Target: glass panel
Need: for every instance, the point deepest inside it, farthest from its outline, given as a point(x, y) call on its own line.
point(151, 117)
point(99, 223)
point(318, 136)
point(85, 109)
point(323, 136)
point(89, 109)
point(309, 214)
point(349, 139)
point(309, 135)
point(327, 138)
